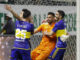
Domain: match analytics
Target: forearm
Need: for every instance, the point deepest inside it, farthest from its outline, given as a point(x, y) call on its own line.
point(36, 31)
point(15, 15)
point(49, 33)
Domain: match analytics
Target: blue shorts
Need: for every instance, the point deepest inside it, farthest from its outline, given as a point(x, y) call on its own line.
point(19, 54)
point(57, 54)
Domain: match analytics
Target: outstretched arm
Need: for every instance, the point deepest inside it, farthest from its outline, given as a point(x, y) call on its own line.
point(8, 7)
point(36, 31)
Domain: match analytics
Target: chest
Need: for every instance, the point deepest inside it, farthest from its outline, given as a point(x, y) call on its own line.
point(48, 27)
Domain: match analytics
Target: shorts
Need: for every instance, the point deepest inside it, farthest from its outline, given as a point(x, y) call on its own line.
point(57, 54)
point(19, 54)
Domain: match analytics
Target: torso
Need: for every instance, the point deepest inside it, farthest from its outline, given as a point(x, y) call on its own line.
point(22, 35)
point(48, 42)
point(61, 31)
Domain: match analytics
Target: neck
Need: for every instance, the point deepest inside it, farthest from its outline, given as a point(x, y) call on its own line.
point(26, 20)
point(59, 19)
point(50, 23)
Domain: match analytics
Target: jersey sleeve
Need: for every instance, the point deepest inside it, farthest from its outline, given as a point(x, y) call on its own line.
point(40, 28)
point(55, 27)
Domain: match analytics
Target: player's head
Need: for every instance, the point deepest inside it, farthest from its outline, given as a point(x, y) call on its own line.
point(26, 14)
point(50, 17)
point(60, 14)
point(8, 17)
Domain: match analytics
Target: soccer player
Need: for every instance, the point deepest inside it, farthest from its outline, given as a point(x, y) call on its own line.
point(9, 27)
point(60, 30)
point(24, 29)
point(48, 43)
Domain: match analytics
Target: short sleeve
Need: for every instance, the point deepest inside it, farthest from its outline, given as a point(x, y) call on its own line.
point(55, 27)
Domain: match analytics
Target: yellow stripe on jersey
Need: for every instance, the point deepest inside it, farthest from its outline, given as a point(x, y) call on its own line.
point(22, 34)
point(60, 48)
point(22, 48)
point(53, 56)
point(61, 32)
point(56, 51)
point(29, 34)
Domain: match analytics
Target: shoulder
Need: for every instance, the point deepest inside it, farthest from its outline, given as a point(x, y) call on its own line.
point(17, 21)
point(31, 21)
point(59, 23)
point(32, 24)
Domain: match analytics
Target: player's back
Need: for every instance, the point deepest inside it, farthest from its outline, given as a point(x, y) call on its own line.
point(22, 34)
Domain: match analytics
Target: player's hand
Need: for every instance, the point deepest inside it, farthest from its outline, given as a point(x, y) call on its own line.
point(45, 32)
point(44, 21)
point(8, 7)
point(64, 37)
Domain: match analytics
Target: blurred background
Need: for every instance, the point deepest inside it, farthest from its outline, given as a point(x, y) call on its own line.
point(39, 10)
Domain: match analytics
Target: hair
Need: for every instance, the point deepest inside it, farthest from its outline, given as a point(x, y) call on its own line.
point(62, 13)
point(51, 13)
point(26, 13)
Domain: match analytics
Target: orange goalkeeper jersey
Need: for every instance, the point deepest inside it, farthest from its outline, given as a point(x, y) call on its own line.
point(46, 45)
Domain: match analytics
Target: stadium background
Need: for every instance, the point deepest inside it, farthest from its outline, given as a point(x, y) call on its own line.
point(6, 42)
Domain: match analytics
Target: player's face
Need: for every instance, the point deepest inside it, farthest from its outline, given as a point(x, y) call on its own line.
point(21, 14)
point(57, 16)
point(50, 18)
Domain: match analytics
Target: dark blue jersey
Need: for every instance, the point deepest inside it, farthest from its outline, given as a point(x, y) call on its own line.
point(22, 34)
point(60, 29)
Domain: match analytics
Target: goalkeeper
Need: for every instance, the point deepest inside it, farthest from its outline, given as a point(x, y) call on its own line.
point(48, 43)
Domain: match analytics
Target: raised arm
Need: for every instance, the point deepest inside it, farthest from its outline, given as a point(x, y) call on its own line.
point(38, 29)
point(8, 7)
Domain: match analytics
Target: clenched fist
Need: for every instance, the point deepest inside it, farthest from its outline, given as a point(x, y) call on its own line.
point(8, 7)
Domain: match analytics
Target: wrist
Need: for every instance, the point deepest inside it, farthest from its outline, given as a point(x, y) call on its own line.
point(10, 10)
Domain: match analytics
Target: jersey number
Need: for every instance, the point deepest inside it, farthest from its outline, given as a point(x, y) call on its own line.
point(23, 34)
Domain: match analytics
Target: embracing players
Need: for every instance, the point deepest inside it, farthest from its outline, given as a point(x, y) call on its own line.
point(24, 29)
point(47, 43)
point(60, 30)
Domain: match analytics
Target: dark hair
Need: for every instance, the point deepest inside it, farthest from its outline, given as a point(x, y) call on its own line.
point(26, 13)
point(62, 13)
point(51, 13)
